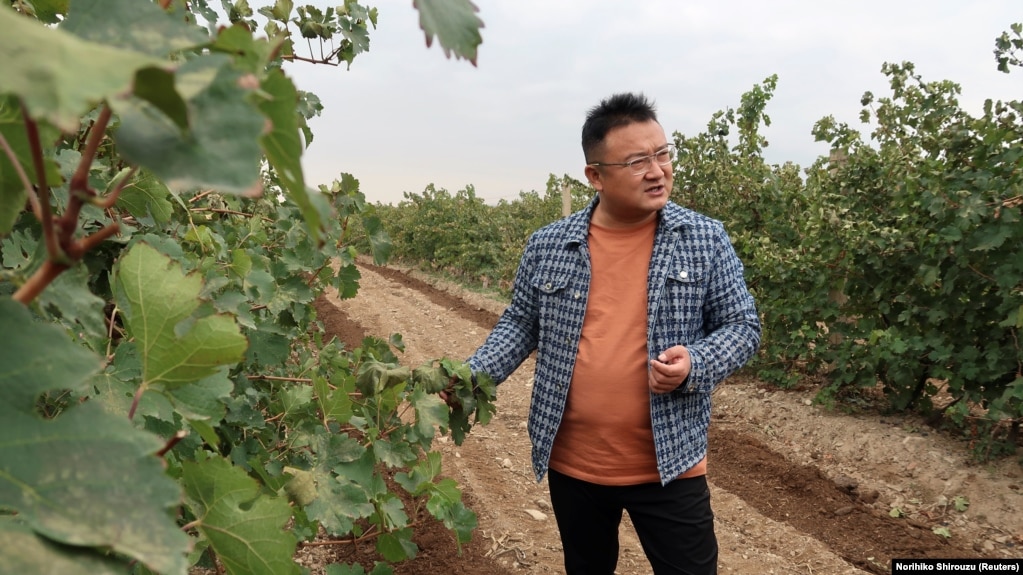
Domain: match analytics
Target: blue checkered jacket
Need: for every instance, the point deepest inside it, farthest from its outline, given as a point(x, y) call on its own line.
point(696, 296)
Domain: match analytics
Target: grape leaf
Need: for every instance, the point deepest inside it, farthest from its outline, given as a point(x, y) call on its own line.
point(58, 76)
point(158, 301)
point(243, 525)
point(454, 23)
point(216, 105)
point(138, 26)
point(283, 146)
point(12, 188)
point(146, 197)
point(99, 484)
point(26, 552)
point(341, 498)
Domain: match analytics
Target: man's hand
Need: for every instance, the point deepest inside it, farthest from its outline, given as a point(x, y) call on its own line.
point(448, 393)
point(669, 370)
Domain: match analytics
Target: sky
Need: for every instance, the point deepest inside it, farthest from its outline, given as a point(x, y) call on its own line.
point(404, 116)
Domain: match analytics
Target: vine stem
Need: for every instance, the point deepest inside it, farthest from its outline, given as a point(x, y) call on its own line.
point(29, 189)
point(277, 378)
point(293, 57)
point(135, 401)
point(352, 541)
point(38, 282)
point(181, 434)
point(46, 219)
point(78, 188)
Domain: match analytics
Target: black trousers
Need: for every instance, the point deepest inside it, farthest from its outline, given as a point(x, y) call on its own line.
point(674, 522)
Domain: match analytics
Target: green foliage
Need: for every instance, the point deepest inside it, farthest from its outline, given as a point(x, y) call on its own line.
point(892, 264)
point(464, 237)
point(166, 391)
point(1009, 48)
point(930, 258)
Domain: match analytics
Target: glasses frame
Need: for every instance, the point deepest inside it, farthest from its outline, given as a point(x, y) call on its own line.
point(641, 165)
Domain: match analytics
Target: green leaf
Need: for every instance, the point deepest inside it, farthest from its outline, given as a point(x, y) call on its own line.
point(431, 412)
point(158, 301)
point(138, 26)
point(347, 281)
point(120, 494)
point(379, 240)
point(200, 156)
point(120, 497)
point(344, 483)
point(70, 299)
point(397, 545)
point(243, 525)
point(283, 147)
point(204, 399)
point(335, 404)
point(39, 358)
point(375, 376)
point(48, 10)
point(397, 453)
point(461, 520)
point(146, 197)
point(23, 551)
point(249, 53)
point(357, 569)
point(60, 77)
point(454, 23)
point(12, 188)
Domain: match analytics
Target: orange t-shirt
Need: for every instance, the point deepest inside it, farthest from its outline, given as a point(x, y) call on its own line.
point(606, 436)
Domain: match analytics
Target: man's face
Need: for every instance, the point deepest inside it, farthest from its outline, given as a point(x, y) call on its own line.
point(628, 199)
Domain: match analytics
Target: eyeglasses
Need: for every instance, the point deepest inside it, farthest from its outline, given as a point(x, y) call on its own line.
point(642, 165)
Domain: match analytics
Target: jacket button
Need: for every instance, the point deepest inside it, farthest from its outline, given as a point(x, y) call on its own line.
point(683, 274)
point(548, 285)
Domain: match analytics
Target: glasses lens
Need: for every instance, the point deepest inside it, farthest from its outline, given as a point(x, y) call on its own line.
point(640, 165)
point(664, 156)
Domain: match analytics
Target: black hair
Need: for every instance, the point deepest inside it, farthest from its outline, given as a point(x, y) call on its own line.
point(613, 112)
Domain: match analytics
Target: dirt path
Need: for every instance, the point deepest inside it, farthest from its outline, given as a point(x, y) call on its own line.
point(795, 489)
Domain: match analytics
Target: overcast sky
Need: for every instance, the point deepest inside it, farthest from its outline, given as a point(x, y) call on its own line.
point(404, 116)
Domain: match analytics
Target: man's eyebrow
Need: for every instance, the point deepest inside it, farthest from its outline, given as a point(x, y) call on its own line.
point(641, 154)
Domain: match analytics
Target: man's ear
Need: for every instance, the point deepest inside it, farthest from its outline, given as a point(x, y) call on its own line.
point(593, 175)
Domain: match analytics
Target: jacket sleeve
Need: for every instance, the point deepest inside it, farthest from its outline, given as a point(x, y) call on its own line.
point(731, 323)
point(517, 331)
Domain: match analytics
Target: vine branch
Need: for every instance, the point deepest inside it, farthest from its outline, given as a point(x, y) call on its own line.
point(46, 219)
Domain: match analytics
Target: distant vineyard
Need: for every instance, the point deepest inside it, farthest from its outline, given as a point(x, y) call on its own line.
point(893, 264)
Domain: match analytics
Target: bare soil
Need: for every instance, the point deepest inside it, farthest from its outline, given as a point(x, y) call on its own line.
point(795, 489)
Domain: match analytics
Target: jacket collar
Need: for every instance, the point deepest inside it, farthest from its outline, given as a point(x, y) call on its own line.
point(671, 217)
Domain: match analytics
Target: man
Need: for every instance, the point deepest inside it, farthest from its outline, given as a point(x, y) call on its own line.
point(636, 308)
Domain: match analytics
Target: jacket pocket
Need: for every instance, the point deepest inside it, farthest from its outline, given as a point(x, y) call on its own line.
point(687, 274)
point(549, 284)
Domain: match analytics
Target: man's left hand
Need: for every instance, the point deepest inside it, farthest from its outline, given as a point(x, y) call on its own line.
point(669, 370)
